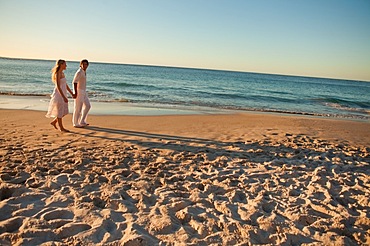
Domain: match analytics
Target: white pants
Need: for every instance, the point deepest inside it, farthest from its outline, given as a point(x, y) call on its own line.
point(81, 108)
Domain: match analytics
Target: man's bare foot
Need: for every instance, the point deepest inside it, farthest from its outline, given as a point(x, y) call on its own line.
point(53, 123)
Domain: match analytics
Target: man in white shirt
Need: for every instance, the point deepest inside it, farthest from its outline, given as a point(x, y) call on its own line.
point(82, 102)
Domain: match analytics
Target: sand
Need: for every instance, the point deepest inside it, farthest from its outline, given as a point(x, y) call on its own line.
point(240, 179)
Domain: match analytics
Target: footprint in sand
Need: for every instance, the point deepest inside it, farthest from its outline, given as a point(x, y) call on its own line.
point(57, 214)
point(11, 225)
point(71, 229)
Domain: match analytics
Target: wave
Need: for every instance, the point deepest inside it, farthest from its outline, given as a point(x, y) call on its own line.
point(201, 105)
point(11, 93)
point(344, 102)
point(341, 107)
point(346, 105)
point(120, 100)
point(117, 85)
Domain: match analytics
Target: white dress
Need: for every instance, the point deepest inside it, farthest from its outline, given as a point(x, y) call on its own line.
point(57, 107)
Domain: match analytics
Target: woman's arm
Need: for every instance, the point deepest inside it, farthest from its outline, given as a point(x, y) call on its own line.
point(70, 92)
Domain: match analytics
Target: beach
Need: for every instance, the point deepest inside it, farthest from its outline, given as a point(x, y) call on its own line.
point(228, 179)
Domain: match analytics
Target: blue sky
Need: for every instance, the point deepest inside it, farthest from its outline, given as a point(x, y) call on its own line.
point(317, 38)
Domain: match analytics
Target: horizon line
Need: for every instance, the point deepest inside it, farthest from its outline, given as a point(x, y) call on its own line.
point(196, 68)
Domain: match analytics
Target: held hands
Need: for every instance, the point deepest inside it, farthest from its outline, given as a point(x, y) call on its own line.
point(74, 96)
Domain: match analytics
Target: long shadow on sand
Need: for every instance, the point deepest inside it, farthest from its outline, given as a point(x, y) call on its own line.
point(158, 141)
point(296, 147)
point(149, 135)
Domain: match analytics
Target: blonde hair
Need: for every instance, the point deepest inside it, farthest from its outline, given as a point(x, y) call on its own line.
point(56, 69)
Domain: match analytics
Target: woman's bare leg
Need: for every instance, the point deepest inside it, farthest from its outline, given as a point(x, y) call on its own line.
point(60, 123)
point(54, 123)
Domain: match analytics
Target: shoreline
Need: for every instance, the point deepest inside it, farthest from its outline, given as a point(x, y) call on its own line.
point(40, 103)
point(231, 179)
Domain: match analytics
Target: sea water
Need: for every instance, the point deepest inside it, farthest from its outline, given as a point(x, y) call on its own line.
point(154, 86)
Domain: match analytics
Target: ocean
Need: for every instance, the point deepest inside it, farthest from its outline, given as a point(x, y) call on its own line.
point(195, 89)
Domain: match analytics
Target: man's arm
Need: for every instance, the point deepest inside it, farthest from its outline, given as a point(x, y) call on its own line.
point(75, 81)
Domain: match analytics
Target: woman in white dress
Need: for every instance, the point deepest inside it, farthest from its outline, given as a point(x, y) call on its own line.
point(58, 106)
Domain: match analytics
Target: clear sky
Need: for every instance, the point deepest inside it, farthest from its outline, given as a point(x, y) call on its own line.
point(317, 38)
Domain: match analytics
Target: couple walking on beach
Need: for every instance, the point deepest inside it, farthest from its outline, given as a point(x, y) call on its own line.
point(58, 106)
